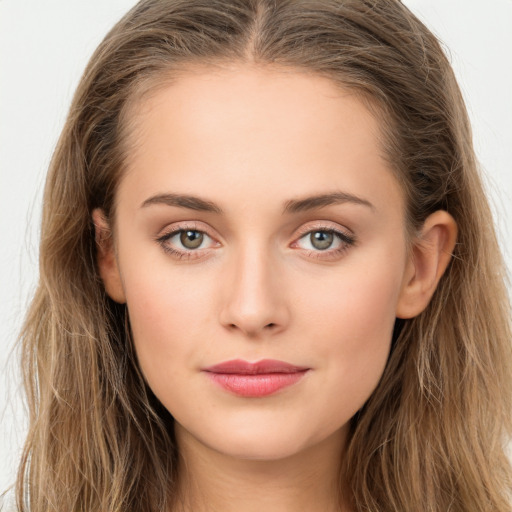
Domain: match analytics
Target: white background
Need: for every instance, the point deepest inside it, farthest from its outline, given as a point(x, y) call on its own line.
point(44, 46)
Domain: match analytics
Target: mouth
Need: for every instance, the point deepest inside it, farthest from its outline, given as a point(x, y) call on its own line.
point(258, 379)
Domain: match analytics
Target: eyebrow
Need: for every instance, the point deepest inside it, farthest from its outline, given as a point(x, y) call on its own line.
point(291, 206)
point(183, 201)
point(322, 200)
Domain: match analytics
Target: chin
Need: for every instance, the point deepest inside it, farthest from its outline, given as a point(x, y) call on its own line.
point(262, 449)
point(259, 440)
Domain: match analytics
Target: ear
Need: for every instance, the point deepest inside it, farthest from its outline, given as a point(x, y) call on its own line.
point(106, 257)
point(429, 257)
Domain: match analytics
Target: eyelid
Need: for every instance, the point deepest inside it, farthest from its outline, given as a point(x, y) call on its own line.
point(191, 225)
point(325, 226)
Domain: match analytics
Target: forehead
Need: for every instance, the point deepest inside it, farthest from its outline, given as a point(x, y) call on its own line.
point(268, 97)
point(253, 129)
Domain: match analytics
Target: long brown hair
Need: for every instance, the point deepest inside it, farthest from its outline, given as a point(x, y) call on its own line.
point(432, 436)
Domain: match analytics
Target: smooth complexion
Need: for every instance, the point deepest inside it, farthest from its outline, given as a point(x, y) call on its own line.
point(258, 220)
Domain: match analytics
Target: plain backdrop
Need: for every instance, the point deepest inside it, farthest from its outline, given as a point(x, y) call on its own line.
point(44, 46)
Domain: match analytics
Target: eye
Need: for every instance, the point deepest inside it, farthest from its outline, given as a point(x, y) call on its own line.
point(325, 240)
point(183, 242)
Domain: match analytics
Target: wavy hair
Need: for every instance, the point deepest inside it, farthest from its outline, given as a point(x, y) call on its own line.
point(432, 436)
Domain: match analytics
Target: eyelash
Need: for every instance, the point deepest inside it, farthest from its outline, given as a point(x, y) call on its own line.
point(346, 240)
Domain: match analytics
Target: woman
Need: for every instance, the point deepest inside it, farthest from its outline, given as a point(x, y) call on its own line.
point(268, 277)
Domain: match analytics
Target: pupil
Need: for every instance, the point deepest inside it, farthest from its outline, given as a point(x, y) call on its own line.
point(191, 239)
point(321, 239)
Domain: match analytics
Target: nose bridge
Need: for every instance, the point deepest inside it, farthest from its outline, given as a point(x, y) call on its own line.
point(254, 301)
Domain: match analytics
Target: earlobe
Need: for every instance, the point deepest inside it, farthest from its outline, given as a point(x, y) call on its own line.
point(429, 258)
point(106, 257)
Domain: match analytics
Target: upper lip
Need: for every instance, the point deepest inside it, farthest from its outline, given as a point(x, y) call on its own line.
point(239, 366)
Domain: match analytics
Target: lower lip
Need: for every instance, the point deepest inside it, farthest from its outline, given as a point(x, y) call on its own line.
point(256, 385)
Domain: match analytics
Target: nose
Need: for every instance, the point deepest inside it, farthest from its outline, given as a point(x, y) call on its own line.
point(254, 301)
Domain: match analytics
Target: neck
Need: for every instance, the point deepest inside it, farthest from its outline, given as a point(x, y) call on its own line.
point(212, 481)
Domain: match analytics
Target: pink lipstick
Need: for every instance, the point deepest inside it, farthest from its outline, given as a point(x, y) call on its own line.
point(258, 379)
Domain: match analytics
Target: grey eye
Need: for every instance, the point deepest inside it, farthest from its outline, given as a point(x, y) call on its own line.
point(191, 239)
point(321, 240)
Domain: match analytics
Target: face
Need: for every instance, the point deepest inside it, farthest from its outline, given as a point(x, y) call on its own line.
point(258, 222)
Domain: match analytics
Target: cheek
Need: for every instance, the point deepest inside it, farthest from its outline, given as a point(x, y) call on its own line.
point(353, 324)
point(366, 319)
point(166, 316)
point(357, 304)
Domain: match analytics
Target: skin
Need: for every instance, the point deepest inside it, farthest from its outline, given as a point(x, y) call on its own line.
point(250, 140)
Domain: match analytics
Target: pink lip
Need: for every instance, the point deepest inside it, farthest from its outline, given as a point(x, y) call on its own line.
point(255, 379)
